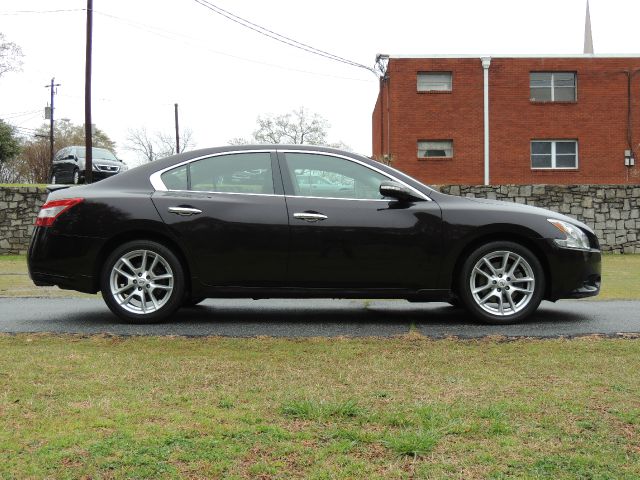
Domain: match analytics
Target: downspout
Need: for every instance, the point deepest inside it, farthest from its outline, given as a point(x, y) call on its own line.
point(486, 61)
point(388, 123)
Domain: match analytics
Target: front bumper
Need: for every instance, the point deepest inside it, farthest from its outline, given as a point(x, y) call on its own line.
point(573, 273)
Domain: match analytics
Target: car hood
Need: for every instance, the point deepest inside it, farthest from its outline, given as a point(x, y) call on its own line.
point(529, 209)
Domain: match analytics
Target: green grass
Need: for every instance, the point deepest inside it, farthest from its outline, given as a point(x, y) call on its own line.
point(138, 407)
point(620, 279)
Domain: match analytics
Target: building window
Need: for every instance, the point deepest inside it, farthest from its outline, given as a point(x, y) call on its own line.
point(435, 148)
point(552, 86)
point(434, 81)
point(554, 154)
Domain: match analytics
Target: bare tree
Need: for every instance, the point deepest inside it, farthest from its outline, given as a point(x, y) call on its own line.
point(10, 56)
point(153, 146)
point(296, 127)
point(33, 163)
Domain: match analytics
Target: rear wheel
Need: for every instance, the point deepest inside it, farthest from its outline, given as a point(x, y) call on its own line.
point(143, 282)
point(501, 282)
point(76, 176)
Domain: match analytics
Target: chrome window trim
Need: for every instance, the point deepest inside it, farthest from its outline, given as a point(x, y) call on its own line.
point(344, 157)
point(225, 193)
point(340, 198)
point(158, 185)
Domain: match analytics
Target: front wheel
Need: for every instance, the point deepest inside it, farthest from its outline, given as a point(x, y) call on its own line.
point(143, 282)
point(501, 282)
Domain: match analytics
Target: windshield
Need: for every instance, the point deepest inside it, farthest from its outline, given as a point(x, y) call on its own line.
point(98, 153)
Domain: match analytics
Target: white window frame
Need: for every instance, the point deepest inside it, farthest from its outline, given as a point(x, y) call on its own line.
point(553, 154)
point(553, 87)
point(424, 140)
point(427, 73)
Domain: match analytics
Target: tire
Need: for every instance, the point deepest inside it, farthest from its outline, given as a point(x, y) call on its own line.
point(75, 179)
point(501, 283)
point(192, 301)
point(142, 282)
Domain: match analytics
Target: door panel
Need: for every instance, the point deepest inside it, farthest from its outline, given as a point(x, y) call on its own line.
point(361, 240)
point(236, 240)
point(238, 234)
point(364, 244)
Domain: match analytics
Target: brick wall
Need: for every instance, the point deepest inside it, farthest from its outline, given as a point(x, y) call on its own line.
point(19, 207)
point(598, 120)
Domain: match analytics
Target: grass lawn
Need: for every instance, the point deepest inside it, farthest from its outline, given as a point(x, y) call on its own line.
point(104, 407)
point(620, 279)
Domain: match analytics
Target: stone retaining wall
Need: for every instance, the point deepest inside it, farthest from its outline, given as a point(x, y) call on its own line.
point(613, 211)
point(19, 207)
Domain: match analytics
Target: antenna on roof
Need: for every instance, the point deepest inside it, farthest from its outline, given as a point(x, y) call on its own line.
point(588, 39)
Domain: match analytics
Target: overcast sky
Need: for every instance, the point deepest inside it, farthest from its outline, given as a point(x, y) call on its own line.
point(149, 55)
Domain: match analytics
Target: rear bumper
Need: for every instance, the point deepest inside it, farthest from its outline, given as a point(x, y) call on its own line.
point(574, 273)
point(68, 262)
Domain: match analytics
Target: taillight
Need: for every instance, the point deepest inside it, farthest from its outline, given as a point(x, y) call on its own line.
point(50, 211)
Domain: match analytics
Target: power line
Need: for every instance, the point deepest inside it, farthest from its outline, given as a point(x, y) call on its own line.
point(7, 116)
point(199, 43)
point(278, 37)
point(26, 12)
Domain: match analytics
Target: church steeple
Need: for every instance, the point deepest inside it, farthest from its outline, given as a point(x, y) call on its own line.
point(588, 39)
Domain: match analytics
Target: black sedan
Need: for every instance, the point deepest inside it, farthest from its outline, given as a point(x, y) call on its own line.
point(300, 222)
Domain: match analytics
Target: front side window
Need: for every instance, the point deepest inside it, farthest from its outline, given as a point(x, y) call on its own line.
point(552, 86)
point(554, 154)
point(434, 82)
point(317, 175)
point(233, 173)
point(435, 148)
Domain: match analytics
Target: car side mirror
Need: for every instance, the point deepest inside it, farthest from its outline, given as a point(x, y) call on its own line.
point(395, 190)
point(69, 157)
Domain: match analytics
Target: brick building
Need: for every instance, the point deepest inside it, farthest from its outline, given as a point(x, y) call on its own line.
point(551, 119)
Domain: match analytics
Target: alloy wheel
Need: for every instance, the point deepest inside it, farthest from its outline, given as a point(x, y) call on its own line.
point(141, 281)
point(502, 283)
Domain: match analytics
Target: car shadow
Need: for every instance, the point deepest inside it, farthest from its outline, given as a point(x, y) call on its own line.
point(304, 318)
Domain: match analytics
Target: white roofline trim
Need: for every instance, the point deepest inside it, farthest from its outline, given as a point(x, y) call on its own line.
point(565, 55)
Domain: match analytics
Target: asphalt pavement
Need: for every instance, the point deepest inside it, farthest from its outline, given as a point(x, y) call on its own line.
point(318, 318)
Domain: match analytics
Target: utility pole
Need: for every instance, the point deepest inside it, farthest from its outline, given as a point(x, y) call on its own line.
point(88, 139)
point(177, 129)
point(52, 86)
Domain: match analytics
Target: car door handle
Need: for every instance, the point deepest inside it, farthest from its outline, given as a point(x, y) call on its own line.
point(184, 211)
point(310, 217)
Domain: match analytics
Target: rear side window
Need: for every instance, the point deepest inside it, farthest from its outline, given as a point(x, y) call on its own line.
point(233, 173)
point(176, 179)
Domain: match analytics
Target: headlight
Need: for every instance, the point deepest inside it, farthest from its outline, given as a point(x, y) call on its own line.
point(575, 237)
